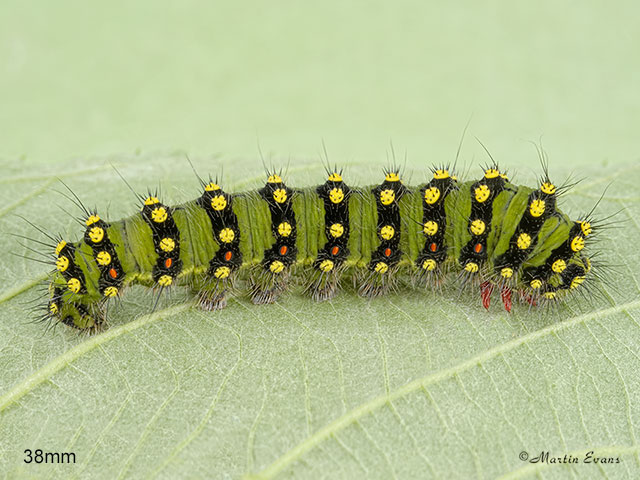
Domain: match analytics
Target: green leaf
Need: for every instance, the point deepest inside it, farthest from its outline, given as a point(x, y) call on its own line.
point(414, 385)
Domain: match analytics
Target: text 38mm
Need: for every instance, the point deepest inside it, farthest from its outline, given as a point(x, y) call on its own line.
point(38, 456)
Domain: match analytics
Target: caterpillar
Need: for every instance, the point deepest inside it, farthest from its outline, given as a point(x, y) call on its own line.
point(487, 234)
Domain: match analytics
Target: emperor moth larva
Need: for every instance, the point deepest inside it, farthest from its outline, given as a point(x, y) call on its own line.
point(491, 234)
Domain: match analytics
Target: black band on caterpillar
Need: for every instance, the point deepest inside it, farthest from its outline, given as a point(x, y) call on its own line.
point(541, 204)
point(434, 222)
point(104, 253)
point(227, 260)
point(385, 258)
point(483, 193)
point(276, 264)
point(330, 262)
point(166, 241)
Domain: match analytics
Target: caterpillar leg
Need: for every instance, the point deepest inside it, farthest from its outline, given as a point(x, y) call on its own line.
point(212, 297)
point(213, 289)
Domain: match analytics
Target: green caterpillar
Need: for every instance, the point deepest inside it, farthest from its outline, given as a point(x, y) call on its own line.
point(492, 233)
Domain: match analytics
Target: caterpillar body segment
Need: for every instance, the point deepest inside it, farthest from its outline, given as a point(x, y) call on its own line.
point(490, 234)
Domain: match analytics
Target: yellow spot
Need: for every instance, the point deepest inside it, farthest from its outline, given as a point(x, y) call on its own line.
point(96, 234)
point(431, 195)
point(211, 187)
point(335, 177)
point(74, 285)
point(110, 291)
point(218, 202)
point(505, 176)
point(226, 235)
point(477, 227)
point(550, 295)
point(165, 280)
point(326, 265)
point(587, 264)
point(336, 230)
point(92, 219)
point(381, 267)
point(491, 173)
point(548, 188)
point(575, 283)
point(167, 244)
point(387, 196)
point(392, 177)
point(537, 207)
point(559, 266)
point(577, 243)
point(430, 228)
point(524, 241)
point(284, 229)
point(336, 195)
point(506, 272)
point(454, 178)
point(586, 228)
point(280, 195)
point(276, 266)
point(536, 284)
point(53, 308)
point(103, 258)
point(159, 214)
point(222, 272)
point(482, 193)
point(62, 263)
point(471, 267)
point(274, 179)
point(387, 232)
point(429, 264)
point(441, 174)
point(60, 246)
point(151, 201)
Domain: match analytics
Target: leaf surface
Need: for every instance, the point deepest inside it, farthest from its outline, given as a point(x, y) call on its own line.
point(416, 384)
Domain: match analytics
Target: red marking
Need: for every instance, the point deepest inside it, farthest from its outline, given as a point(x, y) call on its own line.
point(227, 256)
point(283, 250)
point(505, 294)
point(387, 252)
point(477, 248)
point(485, 292)
point(113, 273)
point(433, 247)
point(335, 250)
point(168, 262)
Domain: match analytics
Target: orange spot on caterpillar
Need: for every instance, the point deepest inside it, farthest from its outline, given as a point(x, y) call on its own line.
point(433, 247)
point(477, 248)
point(283, 250)
point(335, 250)
point(113, 273)
point(168, 262)
point(228, 255)
point(387, 252)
